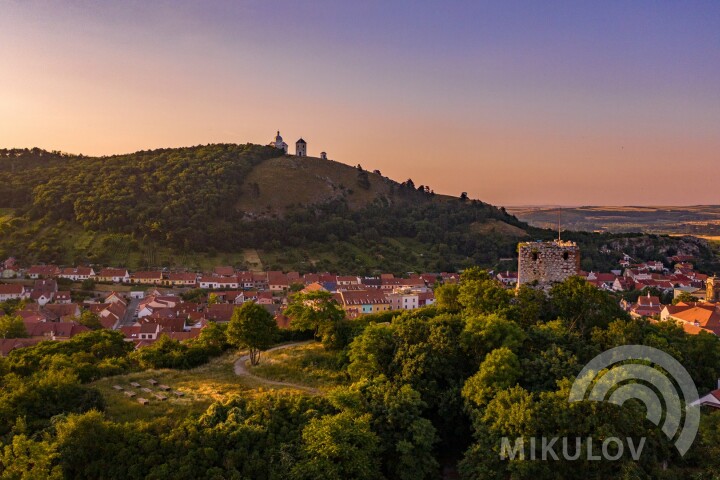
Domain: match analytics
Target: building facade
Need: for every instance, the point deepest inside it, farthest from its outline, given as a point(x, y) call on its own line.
point(546, 263)
point(301, 148)
point(279, 144)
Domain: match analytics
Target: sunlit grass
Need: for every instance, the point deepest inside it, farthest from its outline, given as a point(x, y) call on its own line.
point(214, 381)
point(309, 365)
point(201, 386)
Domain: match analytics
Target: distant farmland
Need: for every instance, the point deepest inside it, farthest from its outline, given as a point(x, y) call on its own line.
point(699, 220)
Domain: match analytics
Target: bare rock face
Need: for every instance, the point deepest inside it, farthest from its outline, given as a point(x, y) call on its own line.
point(547, 262)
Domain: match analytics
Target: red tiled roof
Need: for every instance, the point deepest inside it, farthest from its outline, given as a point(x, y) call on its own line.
point(182, 277)
point(76, 271)
point(362, 297)
point(224, 271)
point(59, 329)
point(7, 345)
point(148, 275)
point(220, 312)
point(149, 328)
point(45, 270)
point(11, 289)
point(113, 272)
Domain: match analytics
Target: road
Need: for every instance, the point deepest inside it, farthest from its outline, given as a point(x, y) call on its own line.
point(241, 369)
point(129, 317)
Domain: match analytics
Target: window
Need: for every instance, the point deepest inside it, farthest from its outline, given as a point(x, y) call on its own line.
point(566, 255)
point(534, 256)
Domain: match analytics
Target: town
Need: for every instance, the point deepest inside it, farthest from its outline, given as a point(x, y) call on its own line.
point(57, 303)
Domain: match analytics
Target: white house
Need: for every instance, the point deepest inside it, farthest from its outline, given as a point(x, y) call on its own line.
point(219, 282)
point(12, 292)
point(77, 273)
point(114, 275)
point(403, 301)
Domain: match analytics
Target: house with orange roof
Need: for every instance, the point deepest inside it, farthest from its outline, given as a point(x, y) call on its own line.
point(182, 279)
point(277, 281)
point(695, 317)
point(147, 277)
point(314, 287)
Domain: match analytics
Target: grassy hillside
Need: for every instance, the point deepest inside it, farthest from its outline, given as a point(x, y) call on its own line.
point(247, 206)
point(279, 183)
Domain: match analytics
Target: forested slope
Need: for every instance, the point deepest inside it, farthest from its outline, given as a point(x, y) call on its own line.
point(209, 204)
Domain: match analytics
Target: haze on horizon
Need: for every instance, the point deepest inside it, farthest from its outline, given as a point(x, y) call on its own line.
point(516, 103)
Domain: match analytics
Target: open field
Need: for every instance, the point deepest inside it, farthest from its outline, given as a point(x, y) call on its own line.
point(215, 381)
point(201, 386)
point(309, 365)
point(698, 220)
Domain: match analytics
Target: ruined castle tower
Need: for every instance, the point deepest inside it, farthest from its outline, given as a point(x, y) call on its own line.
point(547, 262)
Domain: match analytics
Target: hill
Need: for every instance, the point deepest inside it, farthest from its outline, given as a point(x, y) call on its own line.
point(247, 206)
point(204, 205)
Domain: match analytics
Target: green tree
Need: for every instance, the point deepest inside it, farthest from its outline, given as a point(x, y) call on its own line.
point(684, 297)
point(479, 293)
point(446, 297)
point(90, 320)
point(499, 370)
point(371, 353)
point(252, 327)
point(484, 333)
point(316, 311)
point(406, 437)
point(27, 459)
point(88, 284)
point(528, 306)
point(583, 306)
point(213, 299)
point(339, 446)
point(12, 327)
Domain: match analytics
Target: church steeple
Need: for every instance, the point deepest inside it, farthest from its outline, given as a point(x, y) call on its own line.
point(278, 143)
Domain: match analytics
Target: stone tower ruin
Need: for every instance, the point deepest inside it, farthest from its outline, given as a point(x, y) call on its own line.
point(547, 262)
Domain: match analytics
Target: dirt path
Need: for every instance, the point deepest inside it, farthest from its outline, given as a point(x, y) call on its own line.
point(252, 258)
point(241, 369)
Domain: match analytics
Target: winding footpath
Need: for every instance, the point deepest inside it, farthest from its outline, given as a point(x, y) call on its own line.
point(241, 370)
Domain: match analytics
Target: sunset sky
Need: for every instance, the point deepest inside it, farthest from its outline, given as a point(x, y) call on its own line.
point(517, 103)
